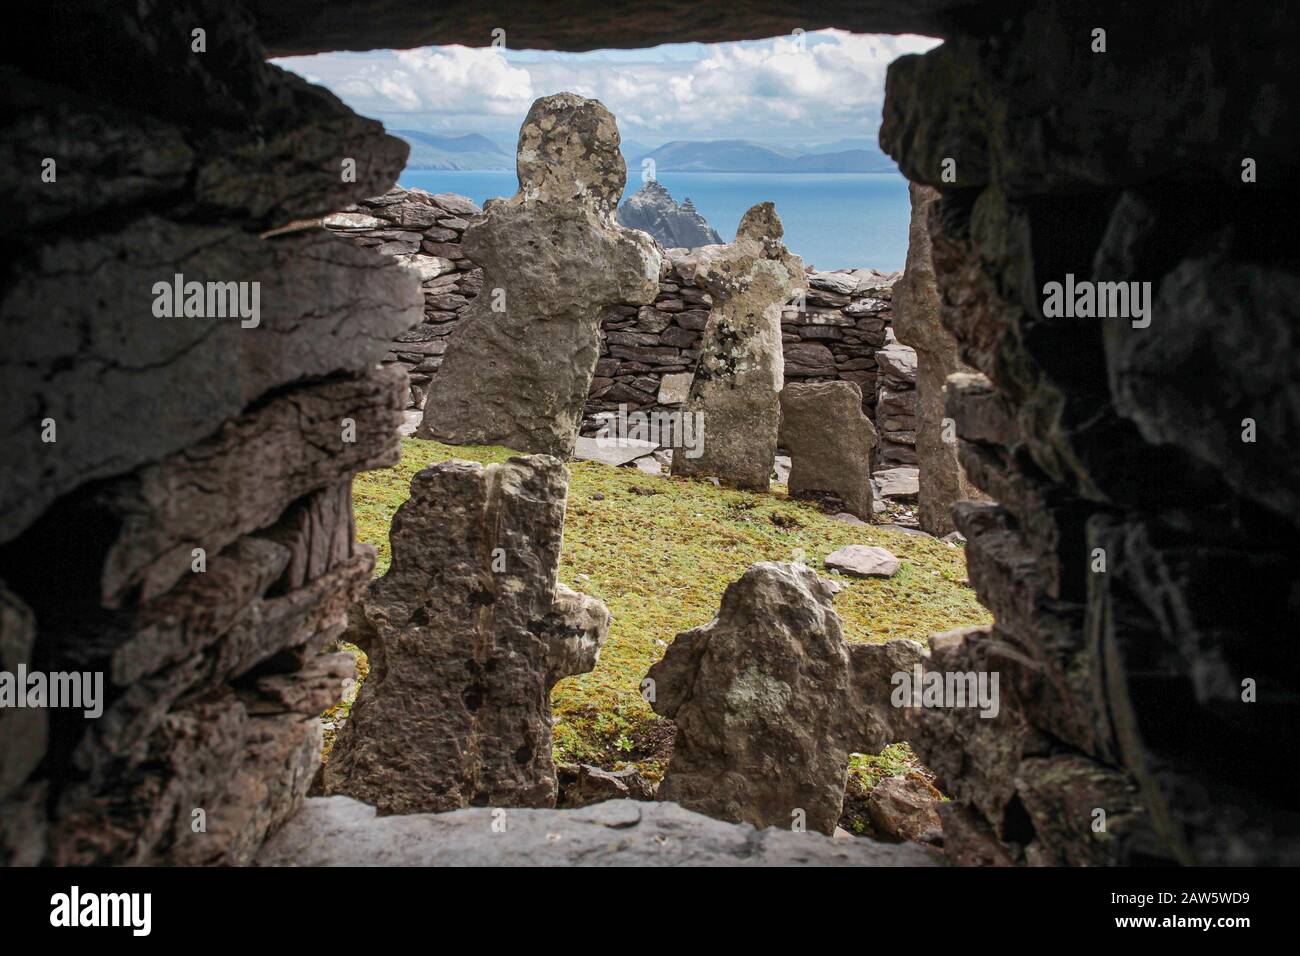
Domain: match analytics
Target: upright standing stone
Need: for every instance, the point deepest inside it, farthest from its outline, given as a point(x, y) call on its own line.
point(830, 440)
point(467, 633)
point(519, 365)
point(740, 371)
point(769, 701)
point(916, 323)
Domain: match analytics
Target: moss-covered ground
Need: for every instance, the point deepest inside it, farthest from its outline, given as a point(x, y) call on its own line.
point(659, 552)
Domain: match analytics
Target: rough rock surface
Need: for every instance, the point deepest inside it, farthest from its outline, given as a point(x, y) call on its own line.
point(830, 442)
point(337, 831)
point(905, 808)
point(467, 633)
point(519, 366)
point(917, 324)
point(298, 26)
point(26, 732)
point(188, 532)
point(769, 701)
point(895, 406)
point(1103, 443)
point(740, 372)
point(653, 210)
point(582, 785)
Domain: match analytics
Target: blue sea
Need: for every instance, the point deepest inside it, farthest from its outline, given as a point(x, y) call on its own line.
point(834, 221)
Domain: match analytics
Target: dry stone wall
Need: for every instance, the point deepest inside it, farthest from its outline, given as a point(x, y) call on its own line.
point(650, 352)
point(424, 232)
point(896, 417)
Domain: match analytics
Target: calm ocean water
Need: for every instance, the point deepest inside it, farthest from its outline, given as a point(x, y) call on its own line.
point(834, 221)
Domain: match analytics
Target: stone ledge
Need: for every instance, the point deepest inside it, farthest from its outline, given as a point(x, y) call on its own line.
point(339, 831)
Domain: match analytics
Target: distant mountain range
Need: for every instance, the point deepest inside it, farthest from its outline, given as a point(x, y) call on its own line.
point(462, 151)
point(473, 151)
point(742, 156)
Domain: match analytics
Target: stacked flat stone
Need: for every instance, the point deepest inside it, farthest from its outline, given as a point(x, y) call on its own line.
point(896, 419)
point(837, 333)
point(649, 354)
point(422, 230)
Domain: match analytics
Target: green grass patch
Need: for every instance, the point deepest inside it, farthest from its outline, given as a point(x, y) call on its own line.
point(661, 561)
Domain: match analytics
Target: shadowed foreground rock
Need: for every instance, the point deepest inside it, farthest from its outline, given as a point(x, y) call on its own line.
point(740, 371)
point(467, 633)
point(518, 368)
point(830, 441)
point(337, 831)
point(769, 701)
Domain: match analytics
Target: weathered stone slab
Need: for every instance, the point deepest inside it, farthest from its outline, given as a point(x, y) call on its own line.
point(897, 482)
point(467, 633)
point(336, 831)
point(518, 368)
point(830, 441)
point(741, 369)
point(674, 388)
point(863, 561)
point(581, 785)
point(905, 807)
point(612, 451)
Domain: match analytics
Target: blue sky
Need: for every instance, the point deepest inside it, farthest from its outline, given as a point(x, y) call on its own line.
point(788, 91)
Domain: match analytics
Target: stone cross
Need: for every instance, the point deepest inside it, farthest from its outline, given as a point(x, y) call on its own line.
point(467, 633)
point(741, 369)
point(769, 705)
point(518, 368)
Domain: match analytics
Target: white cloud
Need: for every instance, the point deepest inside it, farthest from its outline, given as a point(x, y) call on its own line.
point(828, 86)
point(406, 87)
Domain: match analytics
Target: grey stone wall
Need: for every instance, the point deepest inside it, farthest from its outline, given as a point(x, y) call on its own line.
point(423, 232)
point(650, 353)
